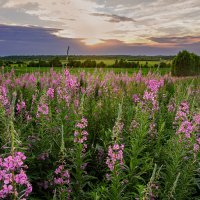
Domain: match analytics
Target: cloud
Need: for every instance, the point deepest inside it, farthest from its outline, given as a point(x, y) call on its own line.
point(177, 40)
point(29, 6)
point(114, 18)
point(150, 22)
point(13, 16)
point(26, 34)
point(18, 40)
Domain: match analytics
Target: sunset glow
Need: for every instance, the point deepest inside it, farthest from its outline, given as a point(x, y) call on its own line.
point(92, 41)
point(157, 24)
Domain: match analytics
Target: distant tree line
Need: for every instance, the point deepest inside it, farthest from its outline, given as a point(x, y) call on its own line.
point(85, 57)
point(9, 63)
point(186, 64)
point(88, 63)
point(122, 63)
point(55, 62)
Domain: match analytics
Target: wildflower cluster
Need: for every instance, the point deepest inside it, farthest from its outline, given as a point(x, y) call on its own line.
point(115, 156)
point(154, 85)
point(51, 114)
point(149, 100)
point(182, 120)
point(188, 129)
point(43, 109)
point(50, 93)
point(182, 112)
point(62, 176)
point(139, 77)
point(62, 179)
point(3, 96)
point(80, 134)
point(20, 106)
point(150, 95)
point(136, 98)
point(196, 129)
point(13, 178)
point(70, 81)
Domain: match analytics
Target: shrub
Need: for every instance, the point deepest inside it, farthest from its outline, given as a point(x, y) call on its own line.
point(186, 64)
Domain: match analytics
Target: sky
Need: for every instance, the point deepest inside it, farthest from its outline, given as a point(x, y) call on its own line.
point(99, 27)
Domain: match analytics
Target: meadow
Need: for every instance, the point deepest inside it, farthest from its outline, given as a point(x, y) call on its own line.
point(144, 71)
point(111, 61)
point(99, 134)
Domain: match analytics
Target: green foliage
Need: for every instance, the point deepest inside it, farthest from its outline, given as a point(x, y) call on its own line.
point(186, 64)
point(1, 62)
point(55, 62)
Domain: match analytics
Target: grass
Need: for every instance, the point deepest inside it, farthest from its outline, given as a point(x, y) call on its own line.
point(22, 70)
point(112, 61)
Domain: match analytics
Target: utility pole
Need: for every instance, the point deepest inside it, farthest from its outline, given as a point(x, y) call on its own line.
point(67, 58)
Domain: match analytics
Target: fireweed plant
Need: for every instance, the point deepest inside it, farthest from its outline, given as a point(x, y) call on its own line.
point(115, 160)
point(14, 183)
point(100, 135)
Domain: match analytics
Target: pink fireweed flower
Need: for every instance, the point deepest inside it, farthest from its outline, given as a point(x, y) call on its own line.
point(115, 156)
point(198, 140)
point(70, 81)
point(180, 115)
point(59, 169)
point(151, 97)
point(185, 107)
point(139, 76)
point(186, 127)
point(23, 105)
point(76, 103)
point(154, 85)
point(21, 178)
point(14, 163)
point(43, 109)
point(12, 173)
point(171, 107)
point(80, 134)
point(20, 106)
point(196, 119)
point(3, 97)
point(80, 137)
point(50, 93)
point(28, 189)
point(62, 177)
point(196, 148)
point(182, 112)
point(136, 98)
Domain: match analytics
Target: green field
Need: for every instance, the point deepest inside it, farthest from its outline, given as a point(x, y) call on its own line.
point(22, 70)
point(111, 61)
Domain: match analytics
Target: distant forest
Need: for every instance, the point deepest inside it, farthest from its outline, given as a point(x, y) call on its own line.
point(88, 61)
point(85, 57)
